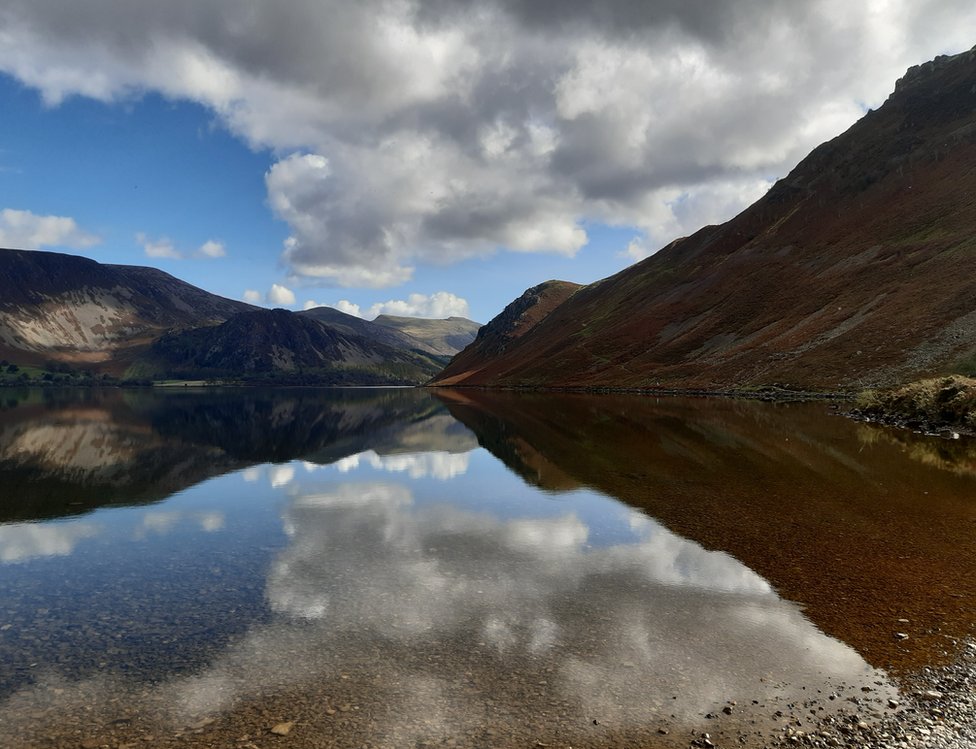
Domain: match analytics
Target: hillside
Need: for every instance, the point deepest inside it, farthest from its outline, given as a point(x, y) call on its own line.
point(856, 269)
point(71, 309)
point(278, 345)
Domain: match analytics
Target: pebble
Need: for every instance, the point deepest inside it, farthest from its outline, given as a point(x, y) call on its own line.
point(283, 729)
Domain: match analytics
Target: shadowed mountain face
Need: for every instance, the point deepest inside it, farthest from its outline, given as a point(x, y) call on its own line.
point(64, 452)
point(861, 527)
point(854, 270)
point(278, 342)
point(68, 308)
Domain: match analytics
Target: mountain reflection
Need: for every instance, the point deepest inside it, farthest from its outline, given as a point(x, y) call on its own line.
point(67, 452)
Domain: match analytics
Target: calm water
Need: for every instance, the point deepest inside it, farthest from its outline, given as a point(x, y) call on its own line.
point(399, 568)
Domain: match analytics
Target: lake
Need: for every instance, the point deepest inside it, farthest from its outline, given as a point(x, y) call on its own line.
point(402, 567)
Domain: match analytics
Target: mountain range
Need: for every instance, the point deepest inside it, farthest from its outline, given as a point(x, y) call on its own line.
point(854, 270)
point(67, 312)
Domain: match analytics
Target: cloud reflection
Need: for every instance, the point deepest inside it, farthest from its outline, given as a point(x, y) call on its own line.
point(440, 465)
point(620, 627)
point(22, 541)
point(435, 619)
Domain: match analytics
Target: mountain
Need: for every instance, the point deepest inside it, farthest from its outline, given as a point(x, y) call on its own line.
point(72, 309)
point(357, 326)
point(854, 270)
point(278, 345)
point(443, 337)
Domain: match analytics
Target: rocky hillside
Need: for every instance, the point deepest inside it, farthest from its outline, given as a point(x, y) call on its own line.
point(67, 308)
point(276, 345)
point(856, 269)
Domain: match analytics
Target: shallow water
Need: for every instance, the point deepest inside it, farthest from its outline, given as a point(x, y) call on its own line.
point(397, 568)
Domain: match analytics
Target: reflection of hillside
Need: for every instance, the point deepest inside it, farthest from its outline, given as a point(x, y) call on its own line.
point(955, 456)
point(65, 452)
point(855, 531)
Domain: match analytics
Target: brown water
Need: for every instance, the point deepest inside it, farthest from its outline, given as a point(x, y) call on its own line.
point(401, 568)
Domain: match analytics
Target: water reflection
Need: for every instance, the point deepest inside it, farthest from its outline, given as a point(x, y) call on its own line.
point(353, 562)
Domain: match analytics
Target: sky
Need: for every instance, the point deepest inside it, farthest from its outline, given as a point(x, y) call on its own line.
point(422, 157)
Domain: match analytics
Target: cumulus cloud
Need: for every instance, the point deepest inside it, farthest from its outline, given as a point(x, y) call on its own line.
point(282, 295)
point(158, 248)
point(163, 247)
point(343, 305)
point(212, 248)
point(30, 231)
point(252, 296)
point(440, 304)
point(427, 132)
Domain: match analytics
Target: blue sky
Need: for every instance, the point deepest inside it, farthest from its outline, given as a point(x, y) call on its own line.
point(418, 158)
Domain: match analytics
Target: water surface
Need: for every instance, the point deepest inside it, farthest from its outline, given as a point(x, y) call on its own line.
point(400, 568)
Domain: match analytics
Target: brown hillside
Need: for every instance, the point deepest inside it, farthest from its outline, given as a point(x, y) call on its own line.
point(856, 269)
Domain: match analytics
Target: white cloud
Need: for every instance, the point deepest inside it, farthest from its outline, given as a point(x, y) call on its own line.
point(279, 294)
point(158, 248)
point(30, 231)
point(425, 132)
point(343, 305)
point(252, 296)
point(213, 248)
point(438, 305)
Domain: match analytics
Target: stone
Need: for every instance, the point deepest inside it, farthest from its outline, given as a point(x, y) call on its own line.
point(283, 729)
point(931, 694)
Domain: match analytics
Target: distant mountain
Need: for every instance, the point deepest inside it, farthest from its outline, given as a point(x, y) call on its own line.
point(67, 308)
point(854, 270)
point(444, 337)
point(357, 326)
point(278, 345)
